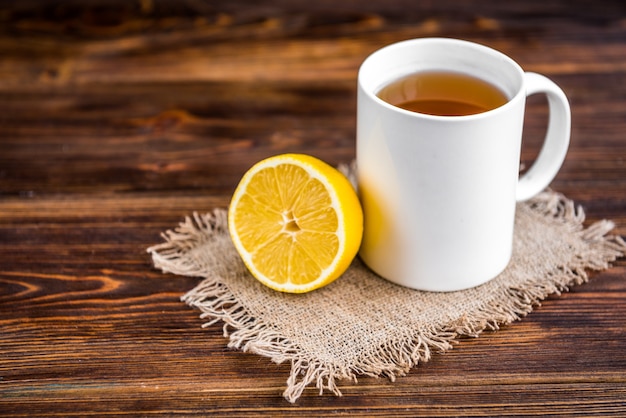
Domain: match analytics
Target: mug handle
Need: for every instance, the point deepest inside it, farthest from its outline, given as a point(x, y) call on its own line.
point(556, 142)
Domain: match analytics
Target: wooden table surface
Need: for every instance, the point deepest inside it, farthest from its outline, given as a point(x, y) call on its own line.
point(119, 118)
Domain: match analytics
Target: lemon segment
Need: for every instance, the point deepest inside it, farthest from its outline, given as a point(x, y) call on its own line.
point(296, 222)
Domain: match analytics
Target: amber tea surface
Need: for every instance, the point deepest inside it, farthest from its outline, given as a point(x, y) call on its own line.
point(443, 93)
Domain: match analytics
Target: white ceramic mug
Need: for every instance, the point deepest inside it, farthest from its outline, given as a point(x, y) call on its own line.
point(439, 192)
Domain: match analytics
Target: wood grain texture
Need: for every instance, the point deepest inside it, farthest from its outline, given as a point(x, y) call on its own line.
point(117, 119)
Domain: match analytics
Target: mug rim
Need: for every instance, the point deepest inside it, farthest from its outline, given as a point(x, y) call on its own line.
point(519, 92)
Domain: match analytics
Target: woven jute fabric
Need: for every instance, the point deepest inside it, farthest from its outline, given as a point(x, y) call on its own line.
point(362, 324)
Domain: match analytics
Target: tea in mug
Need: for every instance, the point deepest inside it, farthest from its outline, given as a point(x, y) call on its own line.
point(443, 93)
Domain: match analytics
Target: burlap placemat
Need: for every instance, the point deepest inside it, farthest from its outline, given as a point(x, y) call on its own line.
point(364, 325)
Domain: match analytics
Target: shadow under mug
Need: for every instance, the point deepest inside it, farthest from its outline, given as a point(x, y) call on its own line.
point(439, 192)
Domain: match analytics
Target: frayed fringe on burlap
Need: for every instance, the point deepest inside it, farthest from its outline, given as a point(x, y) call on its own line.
point(395, 358)
point(249, 334)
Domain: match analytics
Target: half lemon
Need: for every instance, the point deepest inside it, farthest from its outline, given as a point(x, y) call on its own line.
point(296, 222)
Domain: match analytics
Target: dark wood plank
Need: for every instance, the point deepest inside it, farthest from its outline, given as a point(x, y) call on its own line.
point(117, 119)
